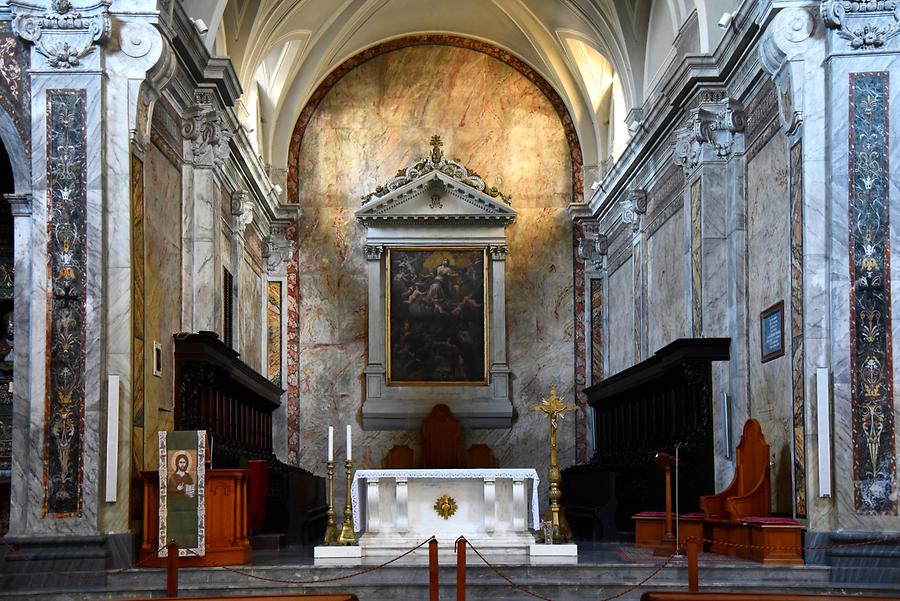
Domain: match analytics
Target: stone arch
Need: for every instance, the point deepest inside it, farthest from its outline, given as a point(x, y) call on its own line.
point(18, 154)
point(503, 56)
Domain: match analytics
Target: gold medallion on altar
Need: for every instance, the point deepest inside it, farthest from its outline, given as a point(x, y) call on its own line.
point(445, 506)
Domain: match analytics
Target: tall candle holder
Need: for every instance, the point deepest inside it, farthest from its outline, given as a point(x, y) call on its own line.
point(347, 536)
point(331, 533)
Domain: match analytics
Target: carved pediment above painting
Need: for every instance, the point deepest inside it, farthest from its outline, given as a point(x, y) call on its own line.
point(436, 188)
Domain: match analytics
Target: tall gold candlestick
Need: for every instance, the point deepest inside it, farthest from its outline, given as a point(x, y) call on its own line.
point(553, 407)
point(347, 536)
point(331, 532)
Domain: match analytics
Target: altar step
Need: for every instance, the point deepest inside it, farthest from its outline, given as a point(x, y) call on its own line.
point(410, 582)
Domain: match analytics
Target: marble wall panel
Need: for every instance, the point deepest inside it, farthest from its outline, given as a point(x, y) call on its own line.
point(696, 261)
point(596, 330)
point(621, 318)
point(162, 281)
point(768, 273)
point(249, 317)
point(274, 321)
point(665, 285)
point(797, 356)
point(376, 119)
point(14, 91)
point(137, 317)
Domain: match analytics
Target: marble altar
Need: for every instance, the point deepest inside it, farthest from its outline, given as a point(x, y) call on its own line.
point(395, 509)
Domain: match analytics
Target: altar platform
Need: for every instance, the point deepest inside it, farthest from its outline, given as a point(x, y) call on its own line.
point(603, 570)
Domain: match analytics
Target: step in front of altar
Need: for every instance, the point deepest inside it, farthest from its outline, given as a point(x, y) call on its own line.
point(512, 544)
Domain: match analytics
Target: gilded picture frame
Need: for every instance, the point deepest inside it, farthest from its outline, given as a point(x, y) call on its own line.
point(437, 327)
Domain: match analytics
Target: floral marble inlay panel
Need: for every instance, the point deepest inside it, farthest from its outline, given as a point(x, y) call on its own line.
point(797, 364)
point(14, 93)
point(67, 255)
point(596, 331)
point(871, 364)
point(137, 312)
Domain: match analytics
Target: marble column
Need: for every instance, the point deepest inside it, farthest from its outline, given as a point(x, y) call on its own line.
point(277, 252)
point(207, 150)
point(592, 250)
point(375, 371)
point(499, 371)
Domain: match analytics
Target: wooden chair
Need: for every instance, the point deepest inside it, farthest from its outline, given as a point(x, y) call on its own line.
point(440, 439)
point(749, 493)
point(400, 457)
point(479, 456)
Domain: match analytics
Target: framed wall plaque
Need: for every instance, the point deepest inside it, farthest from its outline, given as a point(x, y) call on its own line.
point(771, 332)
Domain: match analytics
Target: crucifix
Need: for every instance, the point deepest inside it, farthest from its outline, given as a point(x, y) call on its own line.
point(554, 407)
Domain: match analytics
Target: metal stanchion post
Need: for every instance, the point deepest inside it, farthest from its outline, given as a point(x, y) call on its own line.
point(433, 570)
point(693, 567)
point(461, 569)
point(172, 569)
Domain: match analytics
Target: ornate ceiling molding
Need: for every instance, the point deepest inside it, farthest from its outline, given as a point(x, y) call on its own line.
point(436, 162)
point(864, 25)
point(62, 34)
point(710, 134)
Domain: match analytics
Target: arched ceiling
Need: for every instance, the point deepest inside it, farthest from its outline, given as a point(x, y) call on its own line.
point(283, 49)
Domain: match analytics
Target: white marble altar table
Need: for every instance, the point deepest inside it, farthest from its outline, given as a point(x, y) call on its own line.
point(397, 507)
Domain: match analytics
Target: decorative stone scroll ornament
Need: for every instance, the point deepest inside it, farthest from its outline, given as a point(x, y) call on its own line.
point(865, 25)
point(62, 35)
point(436, 162)
point(241, 209)
point(277, 251)
point(593, 245)
point(208, 135)
point(782, 53)
point(710, 134)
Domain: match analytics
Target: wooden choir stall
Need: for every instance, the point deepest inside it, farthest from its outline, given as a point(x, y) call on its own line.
point(217, 392)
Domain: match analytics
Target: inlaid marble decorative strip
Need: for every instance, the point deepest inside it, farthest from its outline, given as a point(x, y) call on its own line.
point(797, 368)
point(581, 445)
point(293, 353)
point(638, 266)
point(696, 262)
point(596, 330)
point(137, 312)
point(871, 364)
point(273, 331)
point(66, 258)
point(761, 110)
point(664, 199)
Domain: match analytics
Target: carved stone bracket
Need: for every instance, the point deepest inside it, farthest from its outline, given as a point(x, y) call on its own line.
point(241, 209)
point(782, 53)
point(498, 252)
point(633, 206)
point(593, 245)
point(208, 135)
point(277, 251)
point(61, 34)
point(864, 25)
point(373, 251)
point(710, 135)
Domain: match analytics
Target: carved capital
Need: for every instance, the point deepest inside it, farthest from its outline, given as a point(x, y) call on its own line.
point(710, 134)
point(277, 251)
point(373, 251)
point(592, 245)
point(241, 209)
point(864, 25)
point(638, 198)
point(208, 135)
point(61, 34)
point(498, 252)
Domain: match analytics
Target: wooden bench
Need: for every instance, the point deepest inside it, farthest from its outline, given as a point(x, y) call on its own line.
point(650, 526)
point(748, 494)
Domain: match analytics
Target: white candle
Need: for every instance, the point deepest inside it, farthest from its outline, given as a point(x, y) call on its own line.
point(330, 443)
point(348, 443)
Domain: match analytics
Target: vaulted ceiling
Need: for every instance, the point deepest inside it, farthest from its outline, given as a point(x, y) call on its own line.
point(595, 53)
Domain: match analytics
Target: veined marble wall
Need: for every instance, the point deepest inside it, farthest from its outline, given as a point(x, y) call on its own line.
point(621, 318)
point(375, 119)
point(768, 265)
point(162, 281)
point(665, 282)
point(250, 310)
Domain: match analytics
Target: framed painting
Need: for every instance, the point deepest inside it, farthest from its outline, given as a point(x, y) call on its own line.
point(771, 332)
point(437, 316)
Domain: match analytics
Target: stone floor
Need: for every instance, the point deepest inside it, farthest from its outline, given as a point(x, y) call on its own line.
point(603, 570)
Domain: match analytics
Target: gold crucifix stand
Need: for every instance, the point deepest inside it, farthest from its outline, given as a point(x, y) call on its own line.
point(554, 407)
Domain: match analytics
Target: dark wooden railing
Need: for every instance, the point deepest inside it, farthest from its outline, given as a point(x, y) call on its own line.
point(655, 406)
point(217, 392)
